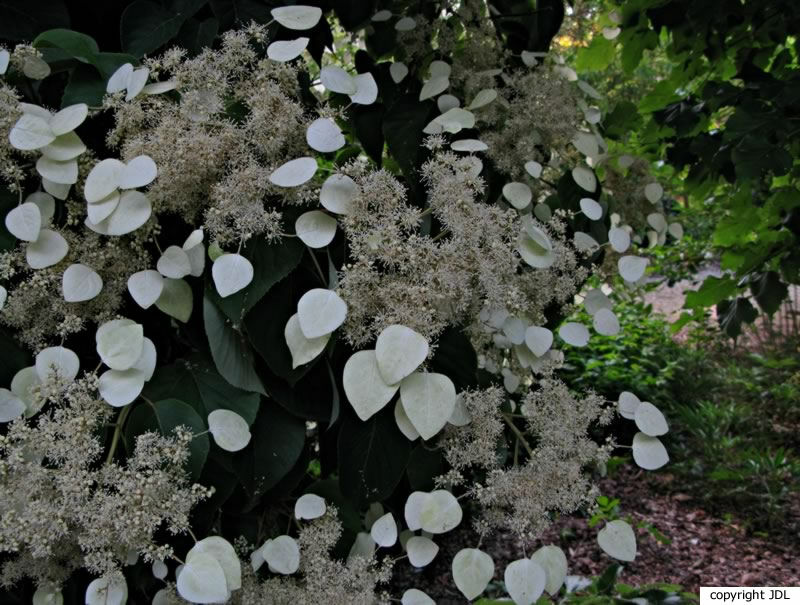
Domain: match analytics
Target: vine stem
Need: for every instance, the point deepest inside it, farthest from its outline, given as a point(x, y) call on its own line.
point(123, 416)
point(519, 435)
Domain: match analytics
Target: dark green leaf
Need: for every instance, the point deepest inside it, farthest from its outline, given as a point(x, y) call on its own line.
point(13, 359)
point(605, 583)
point(230, 12)
point(196, 381)
point(230, 350)
point(367, 121)
point(733, 313)
point(597, 56)
point(769, 292)
point(372, 457)
point(755, 155)
point(713, 290)
point(456, 358)
point(24, 19)
point(75, 44)
point(402, 128)
point(423, 465)
point(147, 26)
point(278, 440)
point(84, 86)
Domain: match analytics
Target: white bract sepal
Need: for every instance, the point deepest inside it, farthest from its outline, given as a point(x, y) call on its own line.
point(364, 386)
point(534, 169)
point(605, 322)
point(412, 511)
point(25, 221)
point(534, 247)
point(525, 581)
point(302, 349)
point(421, 550)
point(320, 312)
point(433, 87)
point(202, 580)
point(63, 173)
point(80, 283)
point(61, 360)
point(139, 172)
point(554, 562)
point(103, 179)
point(100, 211)
point(399, 351)
point(287, 50)
point(30, 132)
point(384, 531)
point(585, 178)
point(337, 193)
point(627, 404)
point(574, 333)
point(650, 420)
point(282, 554)
point(591, 209)
point(336, 79)
point(653, 192)
point(46, 204)
point(439, 512)
point(460, 415)
point(11, 406)
point(119, 388)
point(483, 98)
point(472, 571)
point(538, 339)
point(428, 400)
point(315, 228)
point(618, 540)
point(403, 423)
point(5, 58)
point(120, 343)
point(324, 135)
point(632, 268)
point(412, 596)
point(297, 17)
point(145, 287)
point(294, 172)
point(174, 263)
point(648, 452)
point(48, 249)
point(366, 89)
point(619, 239)
point(43, 596)
point(119, 79)
point(518, 195)
point(229, 429)
point(221, 550)
point(107, 591)
point(405, 24)
point(22, 384)
point(231, 273)
point(398, 71)
point(309, 506)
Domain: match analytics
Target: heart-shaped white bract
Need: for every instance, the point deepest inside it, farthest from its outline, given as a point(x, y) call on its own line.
point(145, 287)
point(320, 312)
point(298, 17)
point(224, 553)
point(337, 193)
point(22, 384)
point(136, 82)
point(472, 571)
point(69, 118)
point(229, 429)
point(447, 102)
point(48, 249)
point(287, 50)
point(25, 221)
point(627, 404)
point(412, 511)
point(632, 268)
point(159, 569)
point(398, 71)
point(202, 580)
point(366, 89)
point(5, 58)
point(518, 195)
point(439, 512)
point(619, 239)
point(196, 251)
point(315, 228)
point(119, 388)
point(554, 562)
point(585, 178)
point(108, 590)
point(363, 385)
point(483, 98)
point(382, 15)
point(586, 143)
point(454, 120)
point(30, 132)
point(525, 581)
point(282, 554)
point(421, 550)
point(605, 322)
point(653, 192)
point(64, 362)
point(534, 247)
point(43, 596)
point(309, 506)
point(302, 349)
point(403, 423)
point(324, 135)
point(412, 596)
point(80, 283)
point(405, 24)
point(469, 145)
point(100, 211)
point(384, 531)
point(675, 230)
point(539, 340)
point(648, 452)
point(439, 68)
point(120, 343)
point(103, 180)
point(650, 420)
point(119, 79)
point(609, 33)
point(46, 204)
point(231, 273)
point(11, 406)
point(595, 300)
point(534, 169)
point(139, 172)
point(157, 88)
point(363, 547)
point(57, 190)
point(460, 415)
point(591, 209)
point(63, 173)
point(618, 540)
point(574, 333)
point(399, 351)
point(433, 87)
point(294, 172)
point(131, 213)
point(336, 79)
point(585, 242)
point(3, 297)
point(428, 400)
point(657, 221)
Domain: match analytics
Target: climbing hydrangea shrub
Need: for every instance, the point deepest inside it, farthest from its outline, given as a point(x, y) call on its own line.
point(295, 312)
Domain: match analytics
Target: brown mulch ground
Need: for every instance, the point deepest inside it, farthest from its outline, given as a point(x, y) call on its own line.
point(704, 550)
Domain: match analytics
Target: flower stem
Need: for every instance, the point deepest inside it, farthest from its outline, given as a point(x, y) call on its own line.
point(123, 416)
